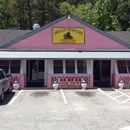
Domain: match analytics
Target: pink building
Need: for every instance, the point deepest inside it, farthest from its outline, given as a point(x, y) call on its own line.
point(67, 50)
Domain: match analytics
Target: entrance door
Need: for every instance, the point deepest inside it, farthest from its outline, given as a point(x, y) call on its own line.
point(101, 73)
point(35, 73)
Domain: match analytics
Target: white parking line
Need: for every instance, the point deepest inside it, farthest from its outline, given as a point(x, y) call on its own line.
point(126, 100)
point(125, 128)
point(64, 98)
point(116, 98)
point(15, 97)
point(112, 92)
point(121, 93)
point(107, 95)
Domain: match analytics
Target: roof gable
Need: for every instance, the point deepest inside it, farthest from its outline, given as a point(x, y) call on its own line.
point(42, 38)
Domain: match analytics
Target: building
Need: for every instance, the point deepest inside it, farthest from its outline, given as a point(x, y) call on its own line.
point(67, 50)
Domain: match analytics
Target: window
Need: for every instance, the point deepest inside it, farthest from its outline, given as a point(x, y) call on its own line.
point(123, 66)
point(70, 66)
point(4, 64)
point(58, 66)
point(15, 66)
point(81, 65)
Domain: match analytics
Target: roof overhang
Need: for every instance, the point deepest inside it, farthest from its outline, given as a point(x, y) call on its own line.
point(64, 55)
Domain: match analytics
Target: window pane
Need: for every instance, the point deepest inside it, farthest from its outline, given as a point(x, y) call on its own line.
point(58, 66)
point(128, 62)
point(5, 68)
point(4, 64)
point(15, 69)
point(70, 66)
point(15, 66)
point(122, 69)
point(81, 64)
point(40, 66)
point(121, 62)
point(15, 62)
point(122, 66)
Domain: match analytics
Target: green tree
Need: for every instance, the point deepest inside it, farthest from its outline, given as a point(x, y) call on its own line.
point(21, 11)
point(101, 15)
point(104, 15)
point(66, 8)
point(123, 14)
point(4, 14)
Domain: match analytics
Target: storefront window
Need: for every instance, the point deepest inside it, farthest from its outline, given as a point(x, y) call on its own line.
point(12, 65)
point(15, 66)
point(81, 65)
point(122, 66)
point(4, 64)
point(58, 66)
point(70, 66)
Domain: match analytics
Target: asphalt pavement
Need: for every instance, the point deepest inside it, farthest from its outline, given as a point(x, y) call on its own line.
point(63, 110)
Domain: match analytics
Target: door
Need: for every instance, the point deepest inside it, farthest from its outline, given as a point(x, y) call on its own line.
point(35, 73)
point(102, 73)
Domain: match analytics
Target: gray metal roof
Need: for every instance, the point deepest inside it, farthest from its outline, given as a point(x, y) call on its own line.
point(9, 35)
point(122, 35)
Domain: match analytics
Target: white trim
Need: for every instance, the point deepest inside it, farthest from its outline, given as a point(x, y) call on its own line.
point(89, 64)
point(23, 67)
point(66, 55)
point(116, 69)
point(50, 67)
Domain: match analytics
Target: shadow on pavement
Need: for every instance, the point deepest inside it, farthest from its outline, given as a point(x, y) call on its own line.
point(7, 98)
point(85, 94)
point(40, 94)
point(107, 89)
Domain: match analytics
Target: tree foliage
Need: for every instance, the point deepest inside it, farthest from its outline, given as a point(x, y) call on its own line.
point(104, 14)
point(4, 14)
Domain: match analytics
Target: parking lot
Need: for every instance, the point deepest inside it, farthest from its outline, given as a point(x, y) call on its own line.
point(92, 109)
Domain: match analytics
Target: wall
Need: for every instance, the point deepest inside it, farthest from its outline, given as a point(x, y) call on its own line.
point(124, 77)
point(43, 39)
point(20, 78)
point(70, 80)
point(51, 74)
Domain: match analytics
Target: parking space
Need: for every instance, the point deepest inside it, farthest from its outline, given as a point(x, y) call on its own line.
point(64, 109)
point(118, 95)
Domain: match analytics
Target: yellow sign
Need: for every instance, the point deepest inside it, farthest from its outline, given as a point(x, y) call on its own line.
point(68, 35)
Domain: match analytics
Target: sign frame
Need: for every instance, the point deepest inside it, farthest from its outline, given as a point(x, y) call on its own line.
point(69, 30)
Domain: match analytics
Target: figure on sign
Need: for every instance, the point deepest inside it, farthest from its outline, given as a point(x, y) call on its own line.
point(68, 36)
